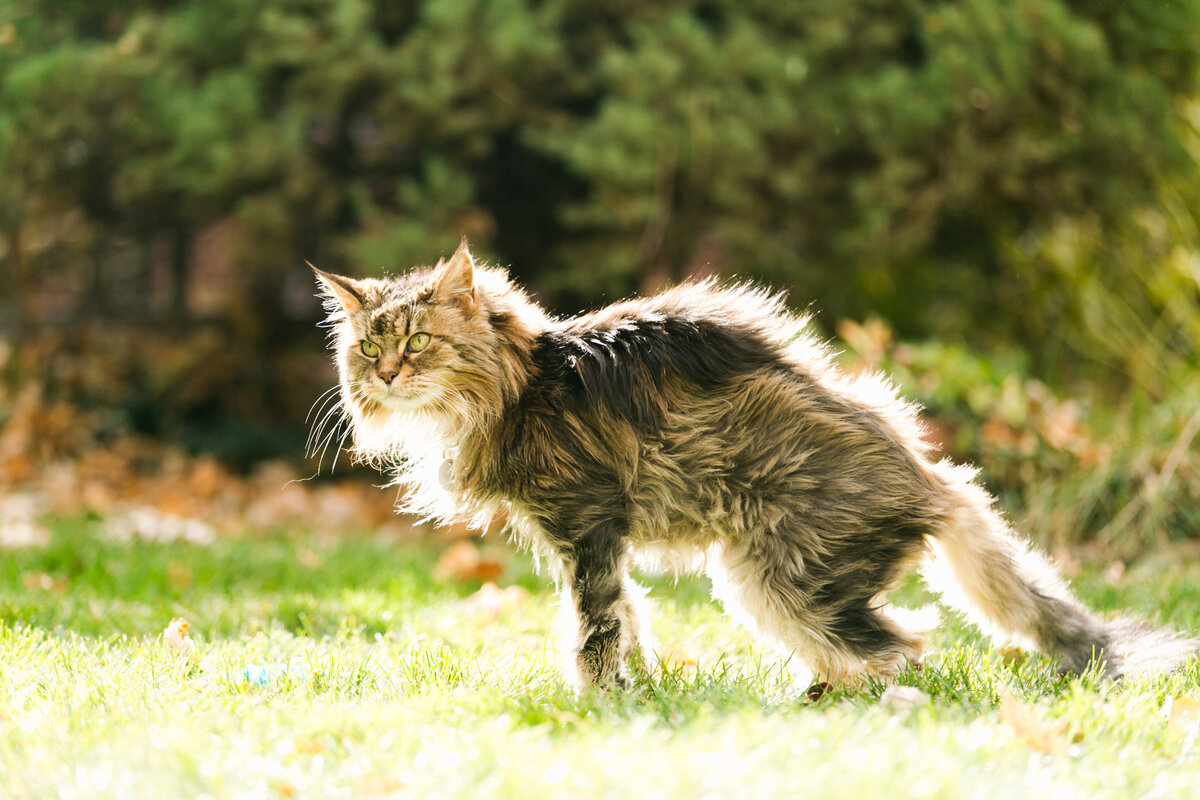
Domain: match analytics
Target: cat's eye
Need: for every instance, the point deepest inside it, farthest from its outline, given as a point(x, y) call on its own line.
point(418, 342)
point(369, 348)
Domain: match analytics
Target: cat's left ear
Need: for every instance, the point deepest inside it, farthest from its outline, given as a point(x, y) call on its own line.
point(340, 290)
point(457, 279)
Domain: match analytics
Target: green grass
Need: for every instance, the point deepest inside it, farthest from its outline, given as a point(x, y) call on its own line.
point(387, 683)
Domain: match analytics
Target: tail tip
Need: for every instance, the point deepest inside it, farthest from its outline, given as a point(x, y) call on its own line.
point(1138, 648)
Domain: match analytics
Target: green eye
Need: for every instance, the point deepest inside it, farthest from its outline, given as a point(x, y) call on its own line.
point(369, 349)
point(418, 342)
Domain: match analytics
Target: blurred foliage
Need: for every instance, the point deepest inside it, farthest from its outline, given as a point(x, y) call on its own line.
point(1120, 475)
point(921, 159)
point(1010, 176)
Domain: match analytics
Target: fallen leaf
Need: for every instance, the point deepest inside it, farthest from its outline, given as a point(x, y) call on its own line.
point(817, 691)
point(676, 660)
point(44, 582)
point(178, 640)
point(902, 698)
point(309, 558)
point(1183, 712)
point(1062, 429)
point(1000, 434)
point(462, 561)
point(1027, 727)
point(871, 338)
point(490, 601)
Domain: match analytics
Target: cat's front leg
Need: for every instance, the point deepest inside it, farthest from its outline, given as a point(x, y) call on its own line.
point(608, 620)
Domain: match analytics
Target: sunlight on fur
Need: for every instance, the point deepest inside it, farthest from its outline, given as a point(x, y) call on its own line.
point(704, 428)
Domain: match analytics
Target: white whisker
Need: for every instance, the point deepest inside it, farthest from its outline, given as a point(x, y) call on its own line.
point(322, 400)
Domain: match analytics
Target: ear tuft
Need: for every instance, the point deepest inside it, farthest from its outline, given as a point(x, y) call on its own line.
point(457, 279)
point(339, 290)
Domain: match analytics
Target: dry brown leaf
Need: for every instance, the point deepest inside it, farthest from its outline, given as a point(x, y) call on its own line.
point(54, 454)
point(1061, 427)
point(871, 338)
point(490, 601)
point(309, 558)
point(902, 698)
point(817, 691)
point(1027, 727)
point(463, 562)
point(178, 639)
point(41, 581)
point(1184, 712)
point(676, 660)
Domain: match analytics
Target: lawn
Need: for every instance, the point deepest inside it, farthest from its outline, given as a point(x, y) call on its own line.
point(342, 668)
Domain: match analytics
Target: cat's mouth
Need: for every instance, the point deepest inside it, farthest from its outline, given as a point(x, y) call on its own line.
point(403, 400)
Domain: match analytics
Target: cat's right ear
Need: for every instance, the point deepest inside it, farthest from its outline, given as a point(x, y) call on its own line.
point(343, 291)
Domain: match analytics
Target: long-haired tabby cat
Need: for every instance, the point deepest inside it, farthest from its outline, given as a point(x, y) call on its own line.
point(703, 428)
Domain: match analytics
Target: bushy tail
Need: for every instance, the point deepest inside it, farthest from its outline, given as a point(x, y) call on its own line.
point(982, 568)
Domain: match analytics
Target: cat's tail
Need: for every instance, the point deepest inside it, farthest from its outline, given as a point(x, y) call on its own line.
point(982, 568)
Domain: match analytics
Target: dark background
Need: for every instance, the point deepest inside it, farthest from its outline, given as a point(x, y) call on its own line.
point(1007, 188)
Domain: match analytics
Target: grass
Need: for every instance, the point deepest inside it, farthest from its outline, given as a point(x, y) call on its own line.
point(377, 681)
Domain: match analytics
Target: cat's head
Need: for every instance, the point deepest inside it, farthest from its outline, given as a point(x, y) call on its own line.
point(444, 346)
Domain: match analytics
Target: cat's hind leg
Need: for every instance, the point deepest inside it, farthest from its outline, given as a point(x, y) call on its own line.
point(841, 632)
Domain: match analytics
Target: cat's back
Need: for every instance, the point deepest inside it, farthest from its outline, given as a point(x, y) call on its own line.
point(629, 358)
point(738, 308)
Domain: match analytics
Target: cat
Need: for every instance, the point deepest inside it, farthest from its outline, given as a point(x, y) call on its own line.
point(704, 428)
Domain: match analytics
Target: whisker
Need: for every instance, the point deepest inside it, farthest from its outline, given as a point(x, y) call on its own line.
point(319, 430)
point(326, 430)
point(322, 399)
point(338, 451)
point(316, 431)
point(329, 439)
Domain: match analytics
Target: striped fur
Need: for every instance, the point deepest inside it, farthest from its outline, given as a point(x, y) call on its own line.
point(703, 428)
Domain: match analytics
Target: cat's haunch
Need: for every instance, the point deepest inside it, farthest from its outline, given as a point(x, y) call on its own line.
point(702, 428)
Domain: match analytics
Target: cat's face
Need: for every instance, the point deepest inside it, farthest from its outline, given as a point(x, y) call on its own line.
point(408, 344)
point(429, 356)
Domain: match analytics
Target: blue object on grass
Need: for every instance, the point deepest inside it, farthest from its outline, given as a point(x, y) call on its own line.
point(262, 674)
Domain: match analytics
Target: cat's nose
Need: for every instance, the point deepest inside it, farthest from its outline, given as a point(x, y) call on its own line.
point(388, 375)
